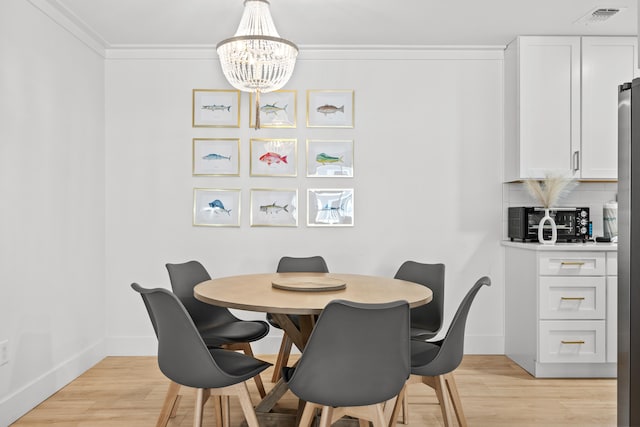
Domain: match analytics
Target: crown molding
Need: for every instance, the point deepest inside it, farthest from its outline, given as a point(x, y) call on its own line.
point(70, 22)
point(83, 32)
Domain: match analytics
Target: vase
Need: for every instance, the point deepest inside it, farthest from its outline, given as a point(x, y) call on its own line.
point(554, 229)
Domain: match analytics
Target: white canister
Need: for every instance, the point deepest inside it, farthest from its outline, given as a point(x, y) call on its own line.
point(610, 219)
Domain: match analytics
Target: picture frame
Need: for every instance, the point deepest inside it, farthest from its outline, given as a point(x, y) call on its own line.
point(216, 207)
point(216, 157)
point(273, 157)
point(215, 108)
point(330, 108)
point(330, 207)
point(330, 158)
point(278, 109)
point(274, 207)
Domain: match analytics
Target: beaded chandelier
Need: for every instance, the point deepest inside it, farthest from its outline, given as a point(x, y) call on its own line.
point(256, 59)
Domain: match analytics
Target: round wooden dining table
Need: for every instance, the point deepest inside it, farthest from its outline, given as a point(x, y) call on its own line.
point(305, 295)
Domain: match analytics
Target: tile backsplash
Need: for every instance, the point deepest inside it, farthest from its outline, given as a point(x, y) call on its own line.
point(590, 194)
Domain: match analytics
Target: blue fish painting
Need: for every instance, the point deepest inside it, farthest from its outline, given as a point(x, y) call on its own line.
point(217, 206)
point(216, 156)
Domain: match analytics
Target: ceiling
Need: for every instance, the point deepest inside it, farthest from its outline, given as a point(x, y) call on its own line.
point(118, 23)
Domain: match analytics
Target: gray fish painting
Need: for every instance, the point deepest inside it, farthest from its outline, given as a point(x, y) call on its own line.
point(273, 208)
point(329, 109)
point(217, 206)
point(272, 108)
point(216, 156)
point(215, 107)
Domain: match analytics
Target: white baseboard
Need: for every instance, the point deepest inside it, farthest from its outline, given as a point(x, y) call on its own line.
point(18, 403)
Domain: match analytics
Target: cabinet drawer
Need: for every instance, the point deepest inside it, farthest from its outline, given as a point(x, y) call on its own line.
point(577, 341)
point(572, 263)
point(612, 263)
point(573, 297)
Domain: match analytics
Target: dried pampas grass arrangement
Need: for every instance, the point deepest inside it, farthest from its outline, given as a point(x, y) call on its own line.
point(549, 190)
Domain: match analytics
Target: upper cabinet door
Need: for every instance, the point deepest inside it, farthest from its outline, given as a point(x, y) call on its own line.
point(606, 63)
point(542, 107)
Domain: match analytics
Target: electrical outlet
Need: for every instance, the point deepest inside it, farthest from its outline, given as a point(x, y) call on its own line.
point(4, 352)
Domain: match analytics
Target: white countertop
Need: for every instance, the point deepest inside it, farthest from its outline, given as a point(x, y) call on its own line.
point(588, 246)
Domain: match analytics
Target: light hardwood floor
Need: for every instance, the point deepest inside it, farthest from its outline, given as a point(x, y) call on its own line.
point(128, 391)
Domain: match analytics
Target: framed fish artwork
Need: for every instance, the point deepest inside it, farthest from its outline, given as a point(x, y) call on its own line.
point(216, 156)
point(330, 108)
point(216, 108)
point(278, 109)
point(274, 207)
point(330, 207)
point(329, 158)
point(273, 157)
point(216, 207)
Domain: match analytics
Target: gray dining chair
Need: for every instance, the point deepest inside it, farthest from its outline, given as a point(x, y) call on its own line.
point(426, 320)
point(433, 362)
point(217, 325)
point(185, 359)
point(287, 264)
point(357, 359)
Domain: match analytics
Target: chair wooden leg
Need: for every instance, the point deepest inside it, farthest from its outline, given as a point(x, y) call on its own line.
point(199, 406)
point(377, 416)
point(170, 404)
point(217, 409)
point(455, 399)
point(438, 384)
point(246, 405)
point(399, 402)
point(405, 408)
point(226, 411)
point(325, 417)
point(308, 413)
point(283, 357)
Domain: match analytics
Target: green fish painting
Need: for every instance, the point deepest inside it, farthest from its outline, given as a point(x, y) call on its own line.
point(324, 158)
point(272, 108)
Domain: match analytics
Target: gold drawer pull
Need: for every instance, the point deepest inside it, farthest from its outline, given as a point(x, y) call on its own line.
point(572, 298)
point(572, 342)
point(572, 263)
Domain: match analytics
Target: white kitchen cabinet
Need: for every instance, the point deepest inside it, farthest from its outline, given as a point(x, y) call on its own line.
point(542, 106)
point(561, 105)
point(560, 320)
point(606, 63)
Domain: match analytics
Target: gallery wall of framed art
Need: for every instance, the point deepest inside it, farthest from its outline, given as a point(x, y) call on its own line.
point(290, 166)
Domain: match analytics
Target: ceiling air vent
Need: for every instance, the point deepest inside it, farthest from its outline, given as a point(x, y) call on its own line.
point(598, 15)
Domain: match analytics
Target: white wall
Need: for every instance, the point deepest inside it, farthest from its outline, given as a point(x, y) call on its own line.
point(428, 186)
point(52, 208)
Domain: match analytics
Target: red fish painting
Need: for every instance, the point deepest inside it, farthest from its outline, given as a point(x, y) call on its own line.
point(271, 157)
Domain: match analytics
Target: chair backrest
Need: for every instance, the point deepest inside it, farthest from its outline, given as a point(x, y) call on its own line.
point(182, 355)
point(428, 316)
point(452, 346)
point(358, 354)
point(313, 264)
point(183, 278)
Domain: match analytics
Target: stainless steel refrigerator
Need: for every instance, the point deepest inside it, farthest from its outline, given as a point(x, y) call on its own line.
point(629, 254)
